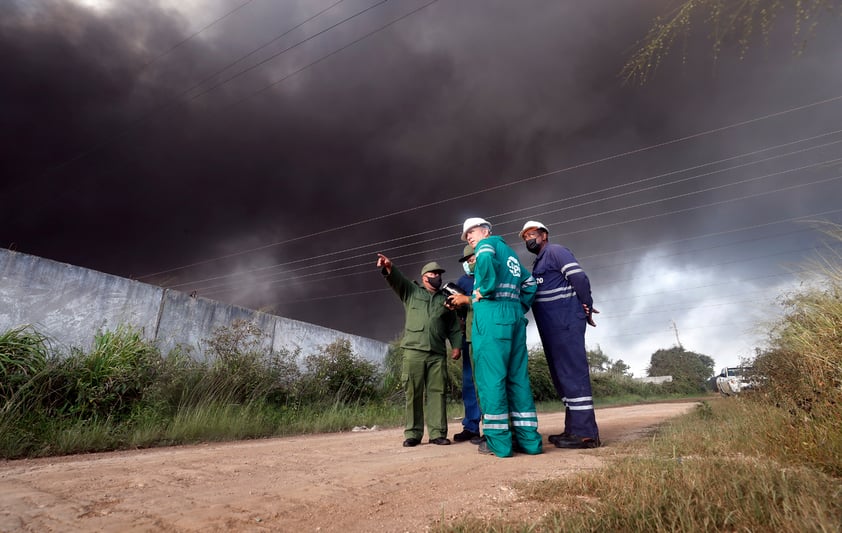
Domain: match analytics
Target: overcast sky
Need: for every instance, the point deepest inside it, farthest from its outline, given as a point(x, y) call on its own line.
point(204, 146)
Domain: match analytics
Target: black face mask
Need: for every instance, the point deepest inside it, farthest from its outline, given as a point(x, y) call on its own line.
point(533, 246)
point(435, 282)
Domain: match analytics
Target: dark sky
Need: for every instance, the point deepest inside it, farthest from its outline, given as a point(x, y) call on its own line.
point(128, 147)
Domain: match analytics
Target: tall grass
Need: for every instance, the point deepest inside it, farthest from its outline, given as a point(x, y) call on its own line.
point(712, 470)
point(124, 393)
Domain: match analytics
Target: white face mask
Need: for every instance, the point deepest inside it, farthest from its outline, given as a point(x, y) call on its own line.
point(467, 268)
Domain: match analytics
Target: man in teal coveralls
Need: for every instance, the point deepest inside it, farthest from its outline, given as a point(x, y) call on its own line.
point(503, 292)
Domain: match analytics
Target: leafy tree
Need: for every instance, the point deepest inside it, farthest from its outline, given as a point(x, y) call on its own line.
point(597, 360)
point(742, 22)
point(688, 369)
point(619, 368)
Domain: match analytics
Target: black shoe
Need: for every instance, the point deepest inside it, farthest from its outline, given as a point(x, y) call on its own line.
point(483, 448)
point(466, 434)
point(578, 443)
point(560, 436)
point(409, 443)
point(441, 441)
point(478, 440)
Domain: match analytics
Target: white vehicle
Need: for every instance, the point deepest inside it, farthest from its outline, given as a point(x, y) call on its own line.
point(733, 380)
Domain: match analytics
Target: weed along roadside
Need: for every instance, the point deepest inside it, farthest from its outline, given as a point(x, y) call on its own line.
point(124, 393)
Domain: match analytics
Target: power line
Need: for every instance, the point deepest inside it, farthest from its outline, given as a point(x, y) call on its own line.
point(415, 243)
point(220, 288)
point(501, 186)
point(196, 33)
point(261, 47)
point(322, 272)
point(217, 289)
point(643, 204)
point(135, 123)
point(285, 50)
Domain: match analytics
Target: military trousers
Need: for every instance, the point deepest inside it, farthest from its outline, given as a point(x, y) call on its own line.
point(423, 376)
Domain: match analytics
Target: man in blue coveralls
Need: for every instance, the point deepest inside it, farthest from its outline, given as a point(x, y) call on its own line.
point(470, 423)
point(503, 291)
point(563, 308)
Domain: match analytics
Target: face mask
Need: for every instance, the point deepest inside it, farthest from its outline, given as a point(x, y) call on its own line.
point(471, 268)
point(533, 246)
point(467, 268)
point(435, 282)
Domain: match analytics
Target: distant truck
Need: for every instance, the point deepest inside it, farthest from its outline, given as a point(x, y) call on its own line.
point(733, 380)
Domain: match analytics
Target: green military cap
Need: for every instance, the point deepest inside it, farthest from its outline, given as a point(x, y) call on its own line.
point(467, 252)
point(432, 266)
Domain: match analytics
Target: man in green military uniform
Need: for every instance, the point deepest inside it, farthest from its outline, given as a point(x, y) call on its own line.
point(503, 292)
point(428, 324)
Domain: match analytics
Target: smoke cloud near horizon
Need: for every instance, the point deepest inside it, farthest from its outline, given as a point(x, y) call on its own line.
point(132, 148)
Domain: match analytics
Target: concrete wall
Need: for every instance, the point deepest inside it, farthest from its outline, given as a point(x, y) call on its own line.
point(655, 379)
point(70, 304)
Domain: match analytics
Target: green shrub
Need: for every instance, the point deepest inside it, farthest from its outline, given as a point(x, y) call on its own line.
point(339, 375)
point(801, 371)
point(108, 380)
point(244, 369)
point(23, 355)
point(543, 389)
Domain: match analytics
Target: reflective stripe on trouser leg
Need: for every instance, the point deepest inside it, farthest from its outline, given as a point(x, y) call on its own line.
point(521, 402)
point(566, 350)
point(490, 354)
point(500, 366)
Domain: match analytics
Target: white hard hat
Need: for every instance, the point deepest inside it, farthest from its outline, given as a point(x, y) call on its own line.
point(533, 224)
point(472, 223)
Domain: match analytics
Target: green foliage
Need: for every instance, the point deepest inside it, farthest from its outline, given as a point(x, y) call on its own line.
point(801, 371)
point(597, 360)
point(23, 355)
point(339, 375)
point(124, 393)
point(611, 382)
point(109, 379)
point(243, 368)
point(715, 469)
point(540, 379)
point(689, 370)
point(392, 386)
point(730, 23)
point(619, 368)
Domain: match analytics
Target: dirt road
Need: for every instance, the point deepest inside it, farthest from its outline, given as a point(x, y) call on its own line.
point(353, 481)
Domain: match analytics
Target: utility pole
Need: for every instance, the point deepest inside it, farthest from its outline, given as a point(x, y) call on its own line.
point(677, 340)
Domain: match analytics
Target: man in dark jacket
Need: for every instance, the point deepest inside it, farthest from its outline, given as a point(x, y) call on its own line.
point(428, 324)
point(470, 422)
point(563, 308)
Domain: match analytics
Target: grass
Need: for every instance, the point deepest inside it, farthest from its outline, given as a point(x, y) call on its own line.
point(712, 470)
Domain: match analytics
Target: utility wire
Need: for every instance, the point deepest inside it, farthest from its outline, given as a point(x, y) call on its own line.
point(222, 288)
point(415, 243)
point(259, 48)
point(628, 193)
point(503, 185)
point(684, 210)
point(218, 289)
point(135, 123)
point(196, 34)
point(285, 50)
